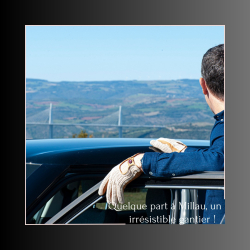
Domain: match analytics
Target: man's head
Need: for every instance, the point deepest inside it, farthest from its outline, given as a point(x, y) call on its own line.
point(212, 70)
point(212, 80)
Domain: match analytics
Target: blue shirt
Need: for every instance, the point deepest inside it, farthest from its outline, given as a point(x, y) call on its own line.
point(191, 161)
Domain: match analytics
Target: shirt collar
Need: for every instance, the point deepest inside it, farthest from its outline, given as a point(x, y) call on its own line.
point(219, 116)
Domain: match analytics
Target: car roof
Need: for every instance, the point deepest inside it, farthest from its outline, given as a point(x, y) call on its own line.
point(77, 151)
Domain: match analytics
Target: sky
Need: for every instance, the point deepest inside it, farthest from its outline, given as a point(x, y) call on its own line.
point(106, 53)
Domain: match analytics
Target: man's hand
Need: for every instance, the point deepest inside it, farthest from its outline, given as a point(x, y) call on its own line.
point(168, 145)
point(119, 177)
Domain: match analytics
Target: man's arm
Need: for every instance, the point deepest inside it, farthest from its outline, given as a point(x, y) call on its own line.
point(188, 162)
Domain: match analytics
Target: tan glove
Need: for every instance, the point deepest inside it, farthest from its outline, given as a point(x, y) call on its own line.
point(168, 145)
point(119, 177)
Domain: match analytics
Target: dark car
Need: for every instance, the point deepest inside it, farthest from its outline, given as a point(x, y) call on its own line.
point(63, 177)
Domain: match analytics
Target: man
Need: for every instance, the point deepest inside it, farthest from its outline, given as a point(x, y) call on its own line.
point(177, 158)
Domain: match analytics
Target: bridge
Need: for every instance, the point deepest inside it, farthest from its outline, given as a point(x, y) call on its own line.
point(46, 118)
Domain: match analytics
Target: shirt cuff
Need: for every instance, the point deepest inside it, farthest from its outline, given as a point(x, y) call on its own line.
point(149, 161)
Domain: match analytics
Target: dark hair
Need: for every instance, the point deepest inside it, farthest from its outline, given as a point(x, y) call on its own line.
point(212, 70)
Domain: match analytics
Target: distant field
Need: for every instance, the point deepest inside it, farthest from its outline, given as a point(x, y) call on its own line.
point(165, 103)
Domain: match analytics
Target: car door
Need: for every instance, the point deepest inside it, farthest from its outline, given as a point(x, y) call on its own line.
point(147, 201)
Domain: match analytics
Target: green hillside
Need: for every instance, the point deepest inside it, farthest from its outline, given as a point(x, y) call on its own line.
point(175, 104)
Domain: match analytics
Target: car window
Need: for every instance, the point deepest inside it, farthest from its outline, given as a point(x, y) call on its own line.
point(147, 201)
point(147, 206)
point(101, 212)
point(61, 199)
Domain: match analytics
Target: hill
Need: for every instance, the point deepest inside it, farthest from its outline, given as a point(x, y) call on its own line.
point(169, 103)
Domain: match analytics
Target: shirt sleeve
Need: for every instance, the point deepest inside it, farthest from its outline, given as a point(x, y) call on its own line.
point(191, 161)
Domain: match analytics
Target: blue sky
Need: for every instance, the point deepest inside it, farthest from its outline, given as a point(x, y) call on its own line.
point(99, 53)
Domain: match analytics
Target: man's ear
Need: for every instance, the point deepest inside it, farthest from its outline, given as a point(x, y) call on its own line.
point(204, 86)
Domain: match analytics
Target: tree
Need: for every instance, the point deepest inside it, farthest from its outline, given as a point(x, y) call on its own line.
point(82, 134)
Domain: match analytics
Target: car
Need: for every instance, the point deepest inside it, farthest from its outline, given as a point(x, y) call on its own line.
point(63, 177)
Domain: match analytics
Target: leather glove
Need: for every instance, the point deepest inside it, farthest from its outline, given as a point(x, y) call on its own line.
point(119, 177)
point(168, 145)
